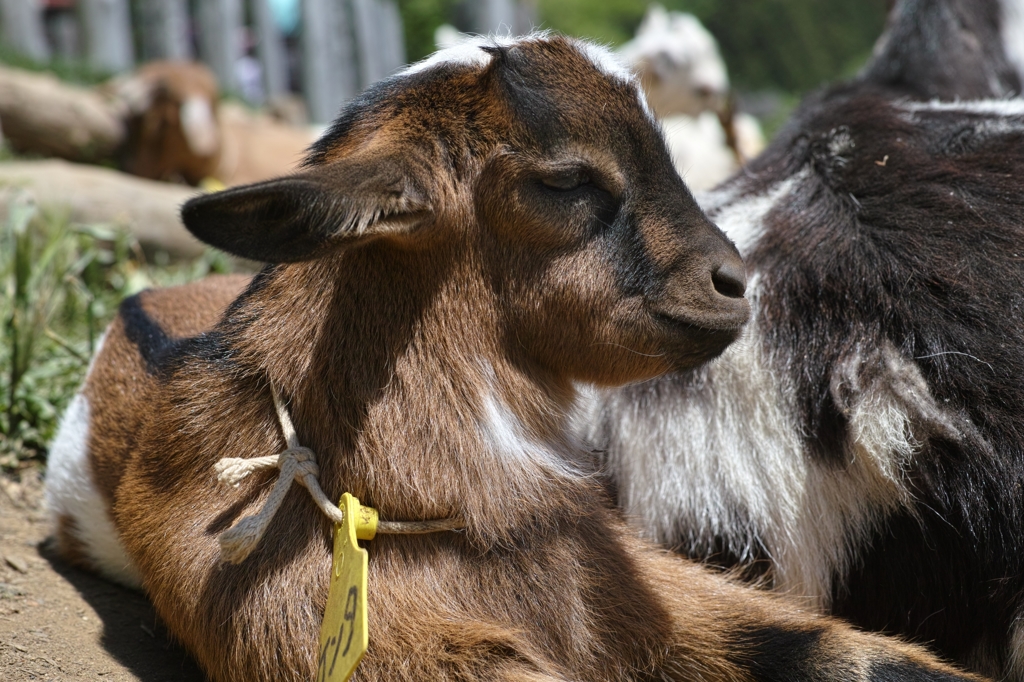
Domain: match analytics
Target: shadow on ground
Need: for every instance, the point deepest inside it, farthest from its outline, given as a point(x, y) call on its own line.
point(132, 632)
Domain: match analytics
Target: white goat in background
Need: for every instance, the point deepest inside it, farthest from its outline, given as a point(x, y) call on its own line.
point(687, 85)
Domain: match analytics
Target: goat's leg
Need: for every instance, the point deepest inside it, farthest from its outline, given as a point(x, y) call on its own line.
point(766, 637)
point(436, 644)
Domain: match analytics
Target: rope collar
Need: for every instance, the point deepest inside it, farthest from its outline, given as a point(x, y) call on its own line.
point(296, 462)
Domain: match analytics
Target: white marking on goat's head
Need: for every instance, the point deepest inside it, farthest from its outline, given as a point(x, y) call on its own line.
point(466, 50)
point(477, 51)
point(199, 124)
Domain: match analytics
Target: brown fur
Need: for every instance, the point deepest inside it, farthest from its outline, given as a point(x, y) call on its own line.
point(433, 304)
point(120, 371)
point(156, 146)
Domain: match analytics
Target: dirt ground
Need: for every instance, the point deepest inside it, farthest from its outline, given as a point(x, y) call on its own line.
point(59, 623)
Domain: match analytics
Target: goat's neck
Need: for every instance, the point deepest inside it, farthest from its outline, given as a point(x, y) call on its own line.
point(419, 408)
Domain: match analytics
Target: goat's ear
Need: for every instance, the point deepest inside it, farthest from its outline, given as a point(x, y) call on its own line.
point(886, 399)
point(308, 214)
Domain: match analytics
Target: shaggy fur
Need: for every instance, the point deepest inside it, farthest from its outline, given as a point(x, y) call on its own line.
point(466, 242)
point(862, 445)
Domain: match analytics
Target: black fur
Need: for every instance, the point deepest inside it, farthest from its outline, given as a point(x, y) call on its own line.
point(163, 354)
point(926, 253)
point(149, 337)
point(776, 654)
point(944, 49)
point(299, 215)
point(904, 236)
point(905, 672)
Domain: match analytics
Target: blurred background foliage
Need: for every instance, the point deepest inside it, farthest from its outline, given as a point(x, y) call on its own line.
point(60, 284)
point(70, 70)
point(786, 45)
point(420, 18)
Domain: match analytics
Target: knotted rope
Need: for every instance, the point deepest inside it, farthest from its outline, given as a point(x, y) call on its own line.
point(296, 462)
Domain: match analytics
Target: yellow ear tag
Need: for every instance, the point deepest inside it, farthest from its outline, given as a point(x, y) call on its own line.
point(344, 635)
point(211, 184)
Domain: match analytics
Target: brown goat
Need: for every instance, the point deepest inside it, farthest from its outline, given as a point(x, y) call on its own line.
point(171, 118)
point(178, 130)
point(470, 238)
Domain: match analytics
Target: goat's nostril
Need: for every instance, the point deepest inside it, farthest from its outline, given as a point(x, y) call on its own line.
point(730, 279)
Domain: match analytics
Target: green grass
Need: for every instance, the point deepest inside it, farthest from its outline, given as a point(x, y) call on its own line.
point(71, 70)
point(60, 284)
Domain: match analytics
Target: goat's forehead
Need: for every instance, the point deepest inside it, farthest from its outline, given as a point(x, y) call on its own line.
point(478, 52)
point(552, 87)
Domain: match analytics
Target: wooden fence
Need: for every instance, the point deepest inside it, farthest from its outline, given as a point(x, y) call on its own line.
point(339, 47)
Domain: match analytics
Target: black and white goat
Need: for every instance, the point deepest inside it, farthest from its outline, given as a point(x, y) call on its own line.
point(863, 444)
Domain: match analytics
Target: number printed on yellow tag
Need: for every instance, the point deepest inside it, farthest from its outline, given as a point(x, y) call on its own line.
point(343, 635)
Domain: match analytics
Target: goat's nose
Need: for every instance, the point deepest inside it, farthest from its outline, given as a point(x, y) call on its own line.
point(730, 279)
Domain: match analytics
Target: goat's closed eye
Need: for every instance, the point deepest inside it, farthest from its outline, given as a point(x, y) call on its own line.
point(567, 180)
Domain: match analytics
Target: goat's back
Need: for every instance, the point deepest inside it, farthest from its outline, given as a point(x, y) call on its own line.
point(89, 454)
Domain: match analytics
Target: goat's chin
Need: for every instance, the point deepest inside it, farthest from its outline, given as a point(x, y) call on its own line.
point(695, 346)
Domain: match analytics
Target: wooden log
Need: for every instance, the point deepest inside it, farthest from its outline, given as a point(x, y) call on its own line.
point(91, 194)
point(256, 147)
point(107, 28)
point(23, 28)
point(165, 29)
point(40, 114)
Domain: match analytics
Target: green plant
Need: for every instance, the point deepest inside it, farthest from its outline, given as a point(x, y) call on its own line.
point(60, 284)
point(420, 18)
point(31, 295)
point(72, 70)
point(785, 45)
